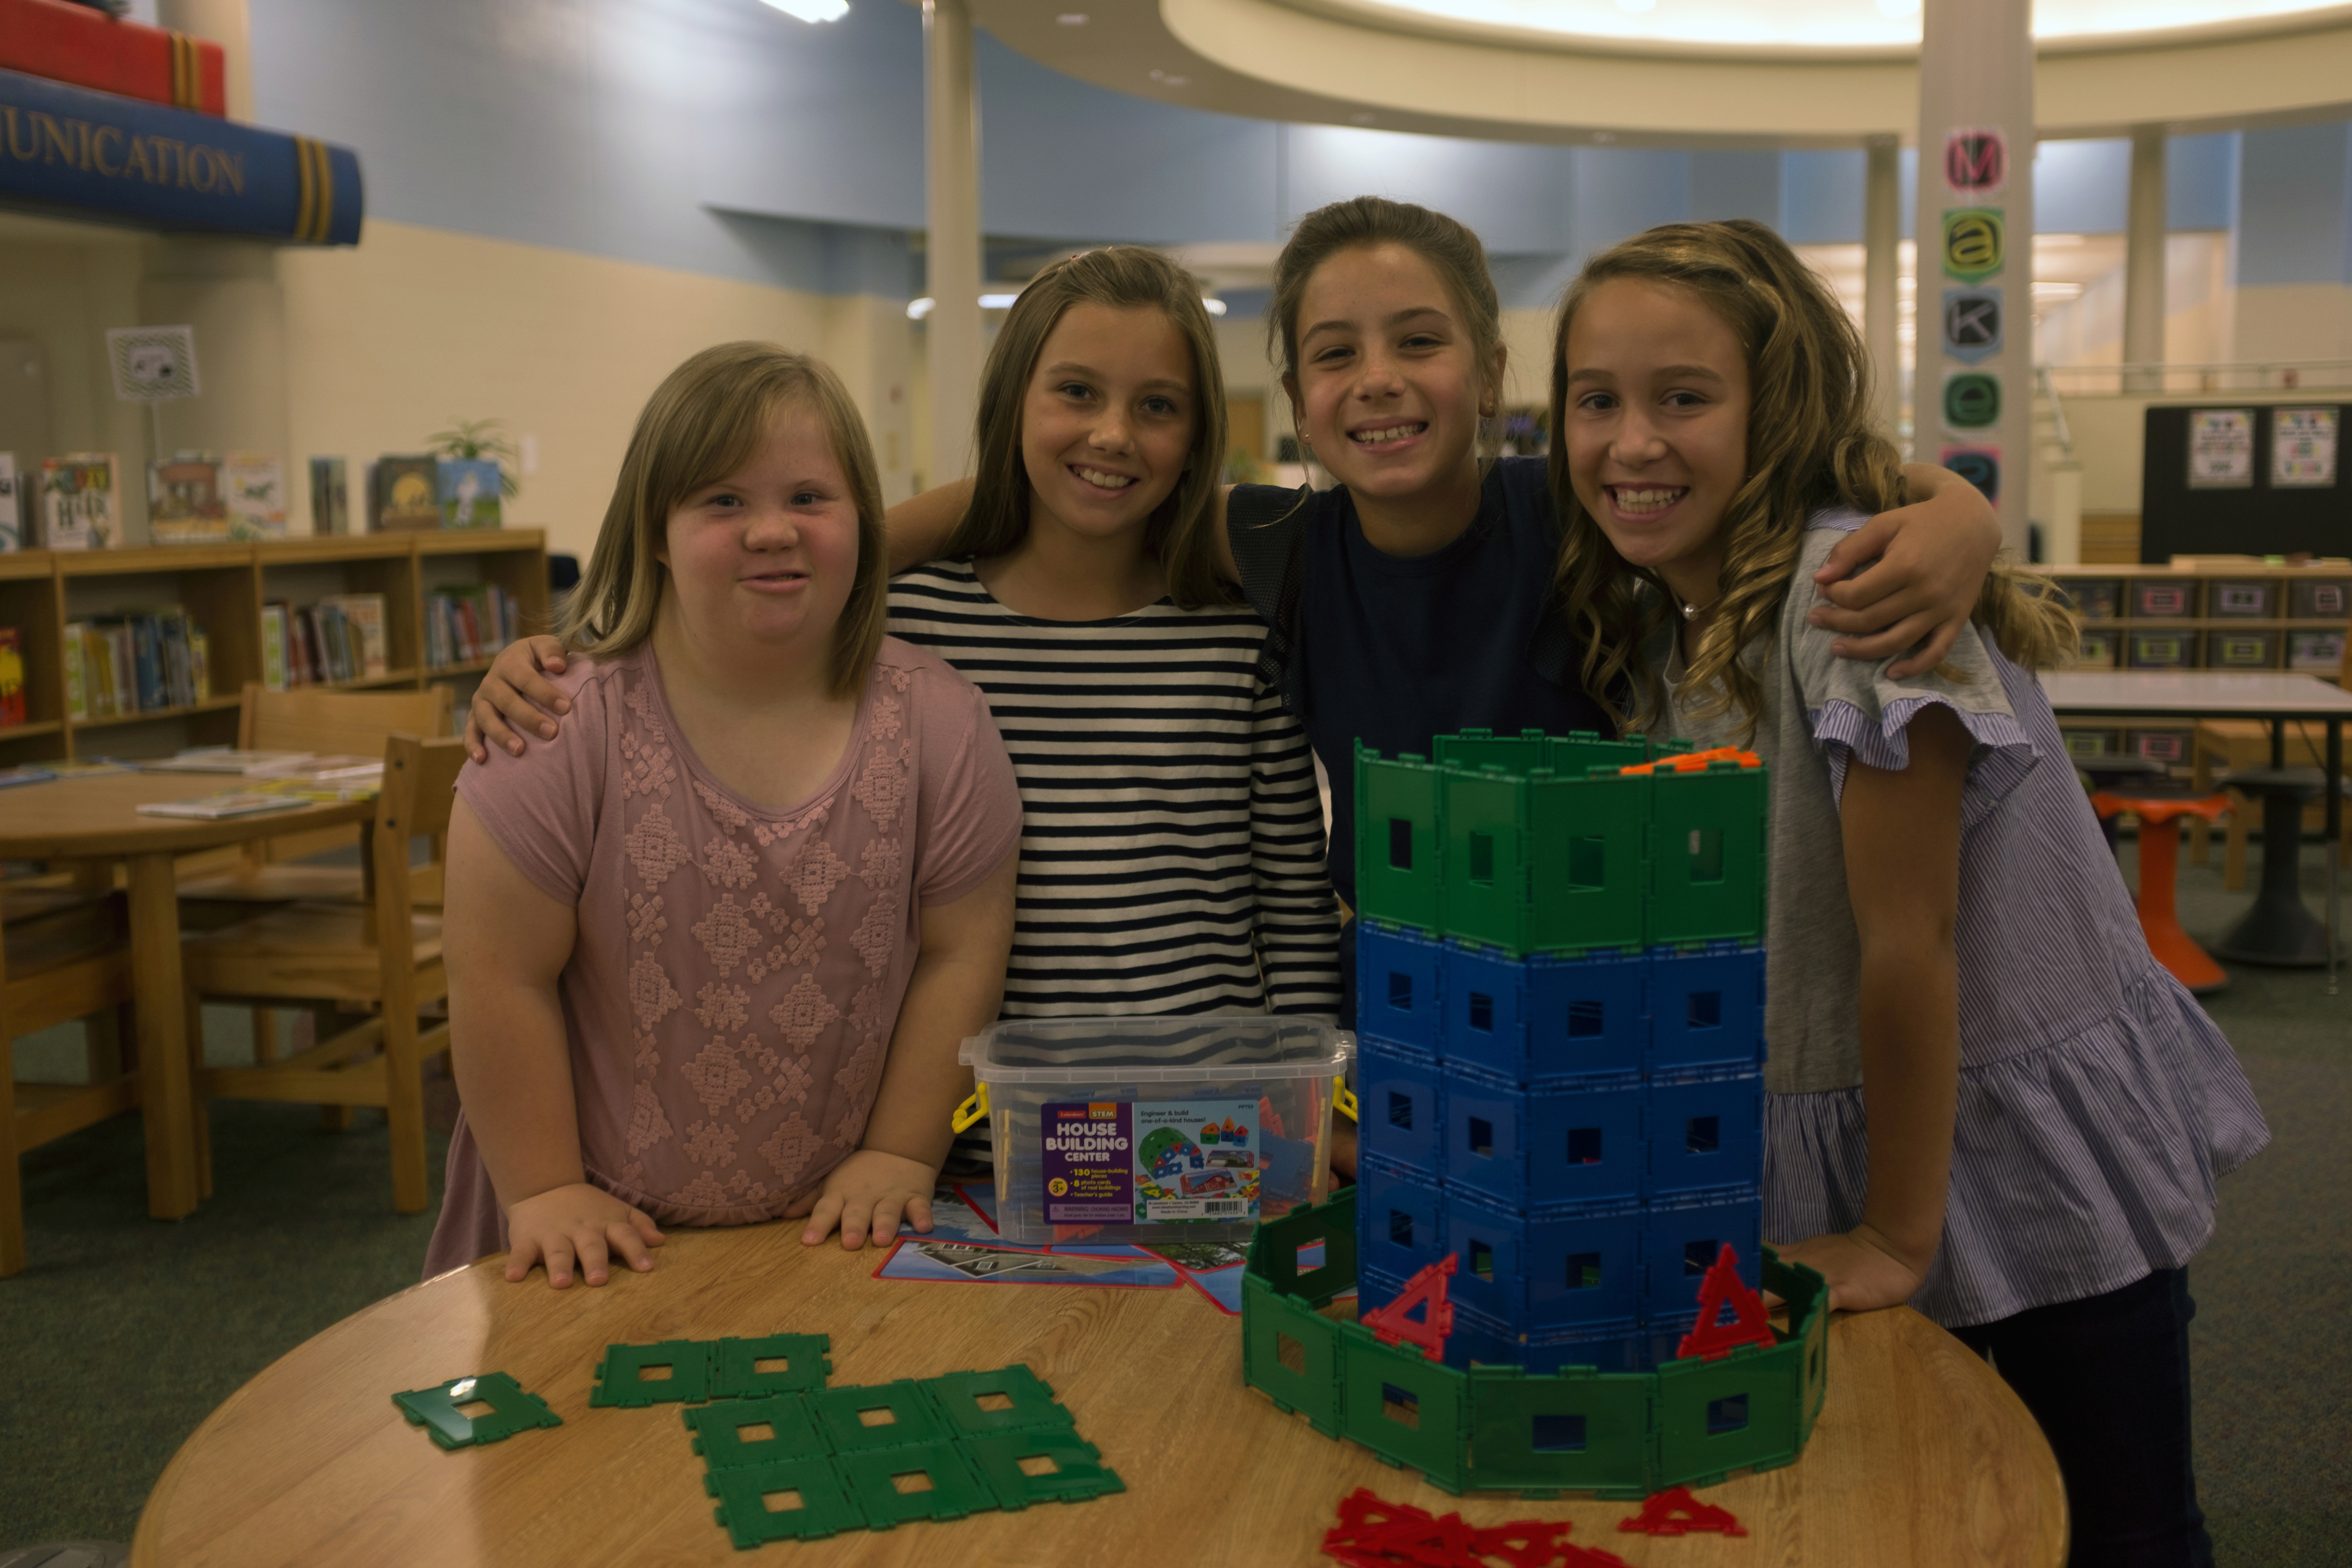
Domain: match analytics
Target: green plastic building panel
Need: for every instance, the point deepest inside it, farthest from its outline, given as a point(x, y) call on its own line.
point(1707, 855)
point(1574, 1431)
point(1291, 1352)
point(624, 1377)
point(1578, 751)
point(927, 1480)
point(1741, 1413)
point(881, 1416)
point(1275, 1249)
point(737, 1434)
point(1807, 1294)
point(1010, 1399)
point(1585, 844)
point(1485, 897)
point(440, 1410)
point(1396, 847)
point(1407, 1409)
point(1476, 748)
point(736, 1372)
point(1044, 1465)
point(790, 1499)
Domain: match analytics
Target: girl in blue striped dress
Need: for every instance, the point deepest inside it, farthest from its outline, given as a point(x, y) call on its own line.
point(1986, 1098)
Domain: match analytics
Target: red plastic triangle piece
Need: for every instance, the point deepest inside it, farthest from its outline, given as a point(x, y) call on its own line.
point(1525, 1543)
point(1712, 1339)
point(1675, 1512)
point(1592, 1557)
point(1427, 1289)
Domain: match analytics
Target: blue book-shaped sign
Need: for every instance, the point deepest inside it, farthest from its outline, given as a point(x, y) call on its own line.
point(95, 154)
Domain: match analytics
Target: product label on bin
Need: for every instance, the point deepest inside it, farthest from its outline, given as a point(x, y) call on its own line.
point(1117, 1162)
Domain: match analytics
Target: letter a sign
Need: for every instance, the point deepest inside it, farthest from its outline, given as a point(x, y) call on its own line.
point(1976, 162)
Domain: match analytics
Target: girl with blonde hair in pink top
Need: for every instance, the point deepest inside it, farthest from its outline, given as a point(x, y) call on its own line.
point(711, 953)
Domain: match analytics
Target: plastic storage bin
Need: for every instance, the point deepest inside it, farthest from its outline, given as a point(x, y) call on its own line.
point(1190, 1129)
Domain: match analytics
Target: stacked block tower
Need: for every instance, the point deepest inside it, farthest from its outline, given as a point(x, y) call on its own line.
point(1560, 1013)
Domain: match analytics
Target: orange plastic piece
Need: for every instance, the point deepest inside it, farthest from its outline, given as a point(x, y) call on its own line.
point(1427, 1289)
point(1675, 1512)
point(1697, 761)
point(1712, 1339)
point(2159, 854)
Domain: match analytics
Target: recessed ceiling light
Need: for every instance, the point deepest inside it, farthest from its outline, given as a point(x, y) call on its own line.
point(1364, 118)
point(1166, 78)
point(1072, 18)
point(1604, 137)
point(813, 10)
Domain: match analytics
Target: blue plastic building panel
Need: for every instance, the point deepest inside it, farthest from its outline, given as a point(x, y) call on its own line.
point(1586, 1016)
point(1704, 1135)
point(1529, 1273)
point(1485, 1011)
point(1684, 1240)
point(1398, 986)
point(1399, 1219)
point(1485, 1130)
point(1706, 1009)
point(1603, 1350)
point(1400, 1106)
point(1583, 1145)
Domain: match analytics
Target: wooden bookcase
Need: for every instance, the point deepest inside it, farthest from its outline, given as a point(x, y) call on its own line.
point(223, 588)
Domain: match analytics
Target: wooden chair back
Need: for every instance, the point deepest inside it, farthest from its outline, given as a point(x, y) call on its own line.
point(420, 781)
point(330, 722)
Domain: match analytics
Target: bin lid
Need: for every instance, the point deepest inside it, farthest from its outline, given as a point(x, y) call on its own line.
point(1203, 1047)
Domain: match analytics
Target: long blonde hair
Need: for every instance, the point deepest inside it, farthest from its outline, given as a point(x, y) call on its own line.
point(1811, 443)
point(702, 423)
point(1181, 534)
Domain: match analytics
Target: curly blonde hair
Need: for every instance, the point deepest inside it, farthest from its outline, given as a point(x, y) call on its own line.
point(1811, 443)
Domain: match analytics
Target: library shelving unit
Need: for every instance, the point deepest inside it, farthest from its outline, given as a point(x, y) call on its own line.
point(2205, 612)
point(223, 588)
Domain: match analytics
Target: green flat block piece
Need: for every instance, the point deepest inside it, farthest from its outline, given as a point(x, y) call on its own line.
point(1483, 816)
point(1475, 749)
point(810, 1502)
point(1574, 1431)
point(1404, 1408)
point(1585, 844)
point(621, 1380)
point(1023, 1468)
point(1807, 1294)
point(1010, 1399)
point(1291, 1352)
point(511, 1410)
point(735, 1365)
point(726, 1431)
point(941, 1484)
point(1707, 856)
point(895, 1415)
point(1396, 847)
point(1741, 1413)
point(1578, 751)
point(1274, 1249)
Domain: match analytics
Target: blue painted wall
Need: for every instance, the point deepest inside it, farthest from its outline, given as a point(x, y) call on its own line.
point(721, 136)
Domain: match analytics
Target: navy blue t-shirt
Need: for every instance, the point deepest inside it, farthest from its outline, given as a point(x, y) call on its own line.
point(1396, 652)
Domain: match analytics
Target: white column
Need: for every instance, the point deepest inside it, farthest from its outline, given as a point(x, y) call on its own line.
point(1975, 230)
point(2143, 232)
point(952, 345)
point(1882, 270)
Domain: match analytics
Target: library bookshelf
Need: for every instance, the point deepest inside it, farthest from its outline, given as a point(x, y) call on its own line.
point(2204, 611)
point(222, 588)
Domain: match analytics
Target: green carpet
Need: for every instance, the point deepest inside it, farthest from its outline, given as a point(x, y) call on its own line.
point(125, 1332)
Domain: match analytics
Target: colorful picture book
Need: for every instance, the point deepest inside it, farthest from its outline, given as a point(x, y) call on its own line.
point(12, 510)
point(470, 493)
point(341, 638)
point(184, 500)
point(82, 501)
point(253, 484)
point(404, 493)
point(134, 664)
point(465, 623)
point(12, 677)
point(330, 497)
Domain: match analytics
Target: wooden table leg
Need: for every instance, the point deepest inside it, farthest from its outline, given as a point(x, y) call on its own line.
point(166, 1092)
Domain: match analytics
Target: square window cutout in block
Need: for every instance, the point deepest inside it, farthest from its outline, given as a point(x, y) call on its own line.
point(1482, 859)
point(1707, 854)
point(1400, 1228)
point(1698, 1257)
point(1584, 1270)
point(1401, 843)
point(1399, 991)
point(1584, 1145)
point(1587, 1020)
point(1403, 1406)
point(1703, 1134)
point(1482, 1012)
point(1482, 1137)
point(1400, 1112)
point(1728, 1414)
point(1588, 863)
point(1482, 1261)
point(1705, 1010)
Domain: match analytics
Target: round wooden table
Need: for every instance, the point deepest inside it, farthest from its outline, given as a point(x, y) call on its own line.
point(1922, 1457)
point(97, 818)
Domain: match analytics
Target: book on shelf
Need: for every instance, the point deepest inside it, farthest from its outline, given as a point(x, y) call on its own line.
point(235, 803)
point(340, 639)
point(273, 646)
point(118, 665)
point(466, 622)
point(90, 48)
point(12, 677)
point(82, 501)
point(253, 484)
point(12, 512)
point(470, 492)
point(362, 619)
point(330, 496)
point(404, 493)
point(184, 500)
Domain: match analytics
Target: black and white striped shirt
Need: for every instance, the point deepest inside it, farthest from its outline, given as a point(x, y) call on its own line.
point(1171, 852)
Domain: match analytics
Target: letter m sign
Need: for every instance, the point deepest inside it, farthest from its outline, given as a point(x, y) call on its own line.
point(1975, 161)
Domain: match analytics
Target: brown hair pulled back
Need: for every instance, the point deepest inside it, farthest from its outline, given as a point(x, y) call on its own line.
point(1811, 443)
point(702, 423)
point(1181, 534)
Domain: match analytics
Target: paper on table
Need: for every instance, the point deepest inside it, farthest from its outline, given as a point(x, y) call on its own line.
point(226, 759)
point(212, 807)
point(961, 1263)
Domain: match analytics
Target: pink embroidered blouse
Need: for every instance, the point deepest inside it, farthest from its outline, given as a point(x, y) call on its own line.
point(737, 971)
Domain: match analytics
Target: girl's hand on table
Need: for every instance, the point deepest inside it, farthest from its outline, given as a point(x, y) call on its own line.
point(1863, 1268)
point(869, 1194)
point(576, 1223)
point(515, 692)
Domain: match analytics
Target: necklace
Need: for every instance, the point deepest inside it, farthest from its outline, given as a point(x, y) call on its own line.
point(1691, 612)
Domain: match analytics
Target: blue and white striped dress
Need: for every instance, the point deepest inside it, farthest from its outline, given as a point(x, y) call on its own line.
point(2097, 1102)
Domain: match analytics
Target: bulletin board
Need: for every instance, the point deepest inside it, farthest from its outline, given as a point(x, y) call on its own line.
point(2222, 478)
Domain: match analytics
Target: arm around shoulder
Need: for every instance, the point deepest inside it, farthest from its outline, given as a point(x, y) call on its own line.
point(1910, 578)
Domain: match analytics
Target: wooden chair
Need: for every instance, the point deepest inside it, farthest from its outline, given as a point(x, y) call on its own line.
point(2224, 746)
point(59, 961)
point(379, 954)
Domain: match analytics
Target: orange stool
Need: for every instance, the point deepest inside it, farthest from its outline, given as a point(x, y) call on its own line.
point(2159, 854)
